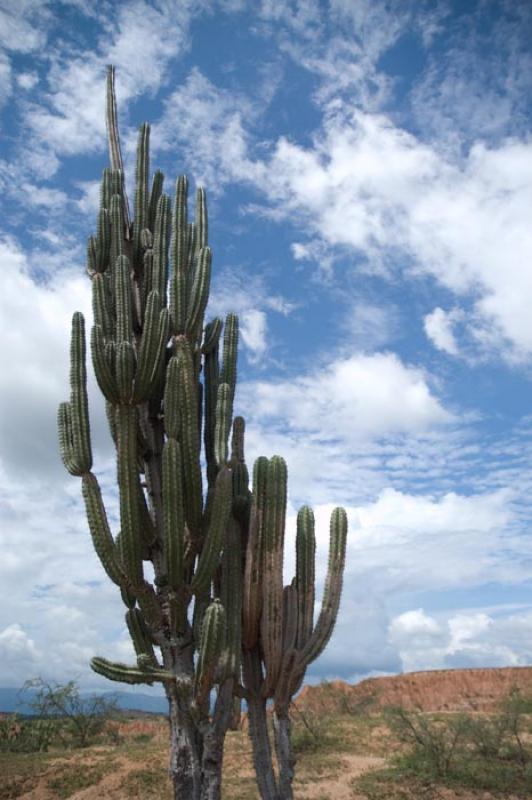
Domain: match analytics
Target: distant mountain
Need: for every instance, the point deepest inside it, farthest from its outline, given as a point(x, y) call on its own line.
point(10, 700)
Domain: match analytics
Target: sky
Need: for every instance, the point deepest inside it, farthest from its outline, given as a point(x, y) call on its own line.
point(368, 167)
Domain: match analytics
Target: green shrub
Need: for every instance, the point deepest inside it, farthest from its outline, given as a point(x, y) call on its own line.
point(488, 752)
point(26, 735)
point(434, 744)
point(309, 730)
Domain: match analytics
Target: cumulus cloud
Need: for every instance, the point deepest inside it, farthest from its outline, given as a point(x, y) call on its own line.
point(439, 329)
point(463, 639)
point(353, 397)
point(372, 188)
point(208, 123)
point(253, 331)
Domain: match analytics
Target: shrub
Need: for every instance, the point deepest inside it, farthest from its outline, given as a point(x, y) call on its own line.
point(23, 735)
point(76, 719)
point(490, 752)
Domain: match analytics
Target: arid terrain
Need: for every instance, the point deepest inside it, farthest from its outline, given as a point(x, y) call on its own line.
point(346, 743)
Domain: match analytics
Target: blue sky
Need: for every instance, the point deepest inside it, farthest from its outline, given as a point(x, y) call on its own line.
point(369, 173)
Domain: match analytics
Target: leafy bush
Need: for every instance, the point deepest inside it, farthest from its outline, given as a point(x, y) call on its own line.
point(434, 743)
point(75, 720)
point(309, 730)
point(488, 752)
point(23, 735)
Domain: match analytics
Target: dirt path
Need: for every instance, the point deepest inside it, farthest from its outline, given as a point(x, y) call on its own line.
point(340, 788)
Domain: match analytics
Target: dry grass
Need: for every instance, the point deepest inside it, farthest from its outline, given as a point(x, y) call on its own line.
point(341, 756)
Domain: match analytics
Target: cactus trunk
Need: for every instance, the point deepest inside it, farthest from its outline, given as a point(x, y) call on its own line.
point(283, 749)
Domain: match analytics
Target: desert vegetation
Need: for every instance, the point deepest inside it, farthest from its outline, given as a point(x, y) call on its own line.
point(344, 749)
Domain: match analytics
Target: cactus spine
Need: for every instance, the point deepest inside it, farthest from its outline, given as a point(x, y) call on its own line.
point(217, 619)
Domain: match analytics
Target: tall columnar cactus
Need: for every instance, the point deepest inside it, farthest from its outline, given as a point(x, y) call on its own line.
point(216, 618)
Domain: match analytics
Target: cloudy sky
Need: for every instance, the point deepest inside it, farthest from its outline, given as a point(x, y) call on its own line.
point(368, 165)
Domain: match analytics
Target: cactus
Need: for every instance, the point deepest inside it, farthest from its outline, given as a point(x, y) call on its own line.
point(279, 639)
point(217, 624)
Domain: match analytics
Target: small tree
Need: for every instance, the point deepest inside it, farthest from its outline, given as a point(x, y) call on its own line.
point(217, 616)
point(80, 718)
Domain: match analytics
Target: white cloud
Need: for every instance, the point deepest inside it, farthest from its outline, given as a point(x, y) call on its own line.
point(413, 623)
point(27, 80)
point(463, 639)
point(469, 89)
point(16, 645)
point(23, 27)
point(371, 188)
point(253, 327)
point(439, 329)
point(369, 326)
point(409, 542)
point(5, 79)
point(209, 122)
point(353, 398)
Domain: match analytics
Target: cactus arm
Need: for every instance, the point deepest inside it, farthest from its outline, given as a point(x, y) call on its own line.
point(272, 585)
point(174, 514)
point(113, 135)
point(160, 246)
point(79, 402)
point(224, 412)
point(147, 276)
point(155, 194)
point(141, 192)
point(211, 374)
point(73, 417)
point(211, 338)
point(179, 258)
point(201, 237)
point(125, 370)
point(141, 639)
point(200, 291)
point(212, 546)
point(127, 481)
point(231, 597)
point(148, 349)
point(230, 351)
point(102, 538)
point(124, 324)
point(289, 627)
point(102, 247)
point(171, 399)
point(115, 671)
point(162, 342)
point(252, 592)
point(212, 637)
point(102, 368)
point(101, 307)
point(305, 577)
point(116, 212)
point(332, 592)
point(282, 692)
point(190, 439)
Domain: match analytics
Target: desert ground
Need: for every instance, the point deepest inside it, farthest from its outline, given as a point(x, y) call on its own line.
point(347, 746)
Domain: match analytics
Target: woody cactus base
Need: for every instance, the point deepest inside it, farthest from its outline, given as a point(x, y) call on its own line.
point(216, 625)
